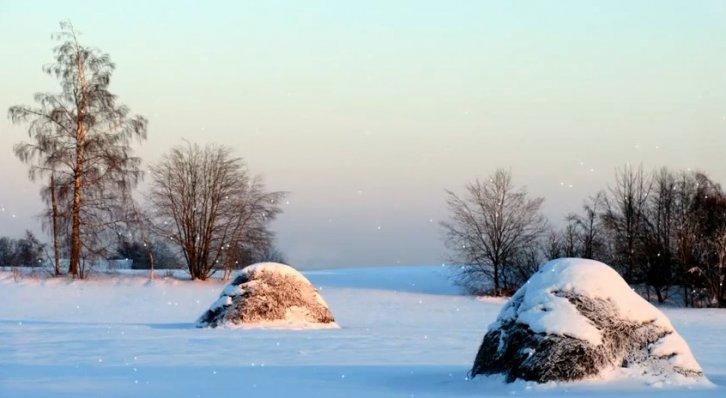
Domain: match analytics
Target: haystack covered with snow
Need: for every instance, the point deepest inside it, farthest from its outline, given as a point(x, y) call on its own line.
point(577, 319)
point(268, 294)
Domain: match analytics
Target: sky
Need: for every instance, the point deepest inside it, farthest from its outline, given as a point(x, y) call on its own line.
point(365, 112)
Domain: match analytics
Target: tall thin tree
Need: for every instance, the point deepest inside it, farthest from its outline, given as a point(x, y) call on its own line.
point(623, 218)
point(83, 134)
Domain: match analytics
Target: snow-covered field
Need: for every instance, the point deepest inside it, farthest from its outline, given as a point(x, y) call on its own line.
point(404, 332)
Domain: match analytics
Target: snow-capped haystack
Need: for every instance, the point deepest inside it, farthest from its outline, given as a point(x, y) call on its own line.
point(268, 294)
point(577, 319)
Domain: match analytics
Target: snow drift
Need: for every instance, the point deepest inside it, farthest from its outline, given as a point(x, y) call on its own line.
point(268, 294)
point(577, 319)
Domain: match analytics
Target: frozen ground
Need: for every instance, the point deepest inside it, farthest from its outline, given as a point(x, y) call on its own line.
point(404, 332)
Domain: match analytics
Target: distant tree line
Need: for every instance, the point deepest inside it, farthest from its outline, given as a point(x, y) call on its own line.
point(205, 210)
point(24, 252)
point(140, 253)
point(664, 230)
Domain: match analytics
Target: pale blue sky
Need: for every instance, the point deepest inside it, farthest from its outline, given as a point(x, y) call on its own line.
point(367, 111)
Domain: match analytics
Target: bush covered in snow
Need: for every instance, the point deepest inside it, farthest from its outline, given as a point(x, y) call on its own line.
point(577, 319)
point(268, 294)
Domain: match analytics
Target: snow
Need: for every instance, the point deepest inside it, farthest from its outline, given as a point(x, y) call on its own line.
point(276, 268)
point(544, 312)
point(223, 301)
point(232, 290)
point(674, 347)
point(404, 332)
point(597, 280)
point(296, 318)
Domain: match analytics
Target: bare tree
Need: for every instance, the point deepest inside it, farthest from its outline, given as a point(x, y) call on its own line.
point(657, 235)
point(685, 234)
point(52, 217)
point(587, 228)
point(623, 217)
point(662, 230)
point(491, 230)
point(553, 245)
point(570, 240)
point(708, 213)
point(54, 222)
point(258, 246)
point(204, 201)
point(718, 269)
point(136, 225)
point(82, 135)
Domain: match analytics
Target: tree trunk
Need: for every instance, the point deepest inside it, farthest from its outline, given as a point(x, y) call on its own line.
point(227, 272)
point(721, 272)
point(192, 261)
point(76, 210)
point(78, 171)
point(54, 224)
point(685, 294)
point(496, 279)
point(151, 264)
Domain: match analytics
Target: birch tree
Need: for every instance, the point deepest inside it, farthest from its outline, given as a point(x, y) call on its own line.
point(82, 135)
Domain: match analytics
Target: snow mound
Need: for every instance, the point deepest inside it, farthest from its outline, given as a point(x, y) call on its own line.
point(269, 295)
point(577, 319)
